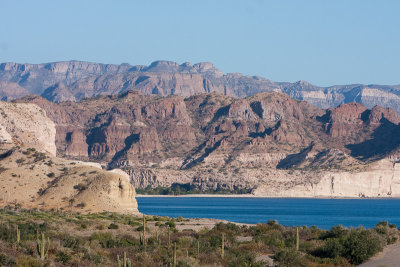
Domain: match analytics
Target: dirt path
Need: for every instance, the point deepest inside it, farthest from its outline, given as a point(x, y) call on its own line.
point(389, 257)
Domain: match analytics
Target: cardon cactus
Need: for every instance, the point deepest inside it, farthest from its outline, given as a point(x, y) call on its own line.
point(223, 246)
point(43, 247)
point(18, 235)
point(126, 261)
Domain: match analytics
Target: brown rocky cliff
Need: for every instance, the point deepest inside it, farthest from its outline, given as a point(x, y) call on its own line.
point(212, 131)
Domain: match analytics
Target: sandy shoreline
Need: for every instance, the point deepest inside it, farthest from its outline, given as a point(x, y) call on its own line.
point(255, 196)
point(205, 195)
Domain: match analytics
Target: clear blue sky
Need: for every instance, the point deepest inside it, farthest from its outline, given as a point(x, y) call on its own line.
point(325, 42)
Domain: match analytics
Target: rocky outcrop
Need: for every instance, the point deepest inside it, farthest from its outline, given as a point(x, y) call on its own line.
point(42, 181)
point(76, 144)
point(31, 175)
point(26, 125)
point(381, 180)
point(101, 191)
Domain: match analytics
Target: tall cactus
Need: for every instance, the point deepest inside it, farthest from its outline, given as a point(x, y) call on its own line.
point(125, 263)
point(118, 261)
point(144, 231)
point(169, 238)
point(43, 247)
point(223, 246)
point(157, 237)
point(297, 238)
point(198, 249)
point(174, 254)
point(18, 235)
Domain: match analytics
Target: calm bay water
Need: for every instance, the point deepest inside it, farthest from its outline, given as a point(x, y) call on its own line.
point(323, 213)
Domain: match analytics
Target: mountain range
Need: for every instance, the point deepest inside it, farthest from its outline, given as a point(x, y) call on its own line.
point(191, 126)
point(210, 141)
point(76, 80)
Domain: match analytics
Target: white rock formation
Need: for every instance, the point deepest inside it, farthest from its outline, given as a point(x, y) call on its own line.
point(381, 180)
point(28, 126)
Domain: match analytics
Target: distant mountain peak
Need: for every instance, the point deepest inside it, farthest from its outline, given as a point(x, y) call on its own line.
point(83, 79)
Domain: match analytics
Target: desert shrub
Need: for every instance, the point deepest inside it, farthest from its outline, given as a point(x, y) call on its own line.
point(134, 223)
point(337, 231)
point(63, 257)
point(81, 205)
point(100, 227)
point(80, 187)
point(20, 160)
point(228, 227)
point(113, 226)
point(24, 261)
point(140, 229)
point(71, 242)
point(333, 248)
point(51, 175)
point(5, 260)
point(171, 224)
point(106, 240)
point(28, 231)
point(362, 244)
point(289, 258)
point(39, 156)
point(96, 258)
point(6, 233)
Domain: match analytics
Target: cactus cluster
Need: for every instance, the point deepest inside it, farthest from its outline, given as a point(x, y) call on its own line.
point(126, 261)
point(43, 247)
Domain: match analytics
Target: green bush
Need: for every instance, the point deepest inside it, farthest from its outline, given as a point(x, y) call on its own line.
point(362, 244)
point(333, 248)
point(171, 224)
point(289, 258)
point(337, 231)
point(113, 226)
point(106, 240)
point(63, 257)
point(80, 187)
point(5, 260)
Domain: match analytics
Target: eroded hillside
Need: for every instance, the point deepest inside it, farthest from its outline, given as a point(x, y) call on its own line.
point(268, 144)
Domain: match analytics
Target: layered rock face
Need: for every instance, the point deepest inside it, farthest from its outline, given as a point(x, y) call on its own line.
point(267, 144)
point(76, 80)
point(382, 179)
point(33, 177)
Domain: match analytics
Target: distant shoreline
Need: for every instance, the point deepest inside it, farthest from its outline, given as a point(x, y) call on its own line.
point(255, 196)
point(205, 195)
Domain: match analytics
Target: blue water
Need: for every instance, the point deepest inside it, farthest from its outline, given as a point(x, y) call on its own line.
point(323, 213)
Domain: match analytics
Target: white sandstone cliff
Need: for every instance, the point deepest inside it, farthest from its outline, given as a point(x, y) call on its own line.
point(27, 125)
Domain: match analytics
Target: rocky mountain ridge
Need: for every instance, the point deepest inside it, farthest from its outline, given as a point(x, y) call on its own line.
point(76, 80)
point(268, 144)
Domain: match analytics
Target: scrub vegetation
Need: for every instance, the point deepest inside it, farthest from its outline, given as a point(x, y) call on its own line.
point(36, 238)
